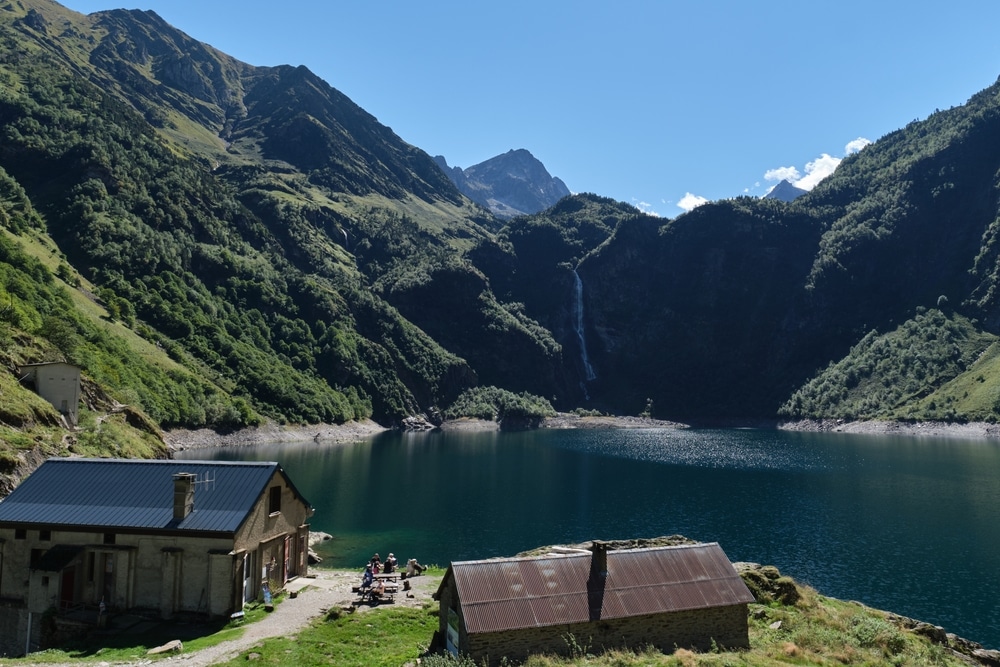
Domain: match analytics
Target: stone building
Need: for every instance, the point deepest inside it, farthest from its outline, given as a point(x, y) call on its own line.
point(668, 597)
point(58, 383)
point(163, 537)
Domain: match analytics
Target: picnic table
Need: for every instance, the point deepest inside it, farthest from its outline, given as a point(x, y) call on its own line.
point(391, 588)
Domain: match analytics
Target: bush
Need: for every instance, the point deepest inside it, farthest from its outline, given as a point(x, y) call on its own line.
point(496, 404)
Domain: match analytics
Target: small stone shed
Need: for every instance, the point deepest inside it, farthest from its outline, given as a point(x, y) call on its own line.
point(163, 537)
point(668, 597)
point(58, 383)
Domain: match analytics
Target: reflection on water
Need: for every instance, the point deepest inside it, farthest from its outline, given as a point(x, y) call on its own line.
point(905, 524)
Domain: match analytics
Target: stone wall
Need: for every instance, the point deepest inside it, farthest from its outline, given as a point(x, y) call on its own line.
point(14, 629)
point(698, 629)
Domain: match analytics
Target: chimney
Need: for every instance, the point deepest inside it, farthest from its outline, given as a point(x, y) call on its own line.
point(599, 561)
point(183, 495)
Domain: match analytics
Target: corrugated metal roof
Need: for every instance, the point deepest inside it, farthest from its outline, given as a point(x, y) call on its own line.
point(512, 593)
point(129, 493)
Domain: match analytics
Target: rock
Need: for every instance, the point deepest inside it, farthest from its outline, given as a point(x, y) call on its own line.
point(933, 632)
point(174, 646)
point(315, 537)
point(987, 657)
point(767, 585)
point(417, 423)
point(775, 626)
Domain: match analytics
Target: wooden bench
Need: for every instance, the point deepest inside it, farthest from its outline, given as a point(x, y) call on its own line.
point(365, 592)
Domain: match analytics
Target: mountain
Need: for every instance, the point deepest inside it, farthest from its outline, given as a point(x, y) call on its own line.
point(216, 244)
point(252, 221)
point(508, 185)
point(785, 191)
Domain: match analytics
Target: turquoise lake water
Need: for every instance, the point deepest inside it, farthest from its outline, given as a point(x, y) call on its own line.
point(910, 525)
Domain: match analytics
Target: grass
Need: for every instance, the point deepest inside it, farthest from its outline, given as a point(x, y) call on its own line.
point(386, 637)
point(816, 630)
point(130, 647)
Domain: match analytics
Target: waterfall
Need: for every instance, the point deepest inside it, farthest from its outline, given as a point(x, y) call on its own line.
point(588, 370)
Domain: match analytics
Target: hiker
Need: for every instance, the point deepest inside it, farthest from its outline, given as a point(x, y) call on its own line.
point(367, 578)
point(413, 568)
point(375, 563)
point(390, 564)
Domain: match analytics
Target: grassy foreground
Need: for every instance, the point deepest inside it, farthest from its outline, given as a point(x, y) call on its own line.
point(814, 630)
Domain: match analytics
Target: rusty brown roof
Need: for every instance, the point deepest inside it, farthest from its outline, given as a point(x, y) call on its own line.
point(513, 593)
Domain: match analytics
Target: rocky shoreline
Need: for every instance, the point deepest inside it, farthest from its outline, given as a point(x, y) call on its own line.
point(968, 430)
point(179, 440)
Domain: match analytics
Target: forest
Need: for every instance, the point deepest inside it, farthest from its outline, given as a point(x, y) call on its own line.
point(218, 245)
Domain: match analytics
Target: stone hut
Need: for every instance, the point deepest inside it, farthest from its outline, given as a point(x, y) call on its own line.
point(84, 537)
point(668, 597)
point(58, 383)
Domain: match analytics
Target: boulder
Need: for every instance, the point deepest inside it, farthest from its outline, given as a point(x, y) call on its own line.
point(766, 583)
point(174, 646)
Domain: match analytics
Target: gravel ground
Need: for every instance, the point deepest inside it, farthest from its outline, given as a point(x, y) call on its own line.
point(322, 591)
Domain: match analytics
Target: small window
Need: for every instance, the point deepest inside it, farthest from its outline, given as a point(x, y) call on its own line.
point(274, 500)
point(44, 535)
point(36, 557)
point(109, 538)
point(45, 581)
point(20, 533)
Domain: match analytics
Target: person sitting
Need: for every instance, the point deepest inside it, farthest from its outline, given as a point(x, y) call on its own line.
point(378, 590)
point(390, 564)
point(413, 568)
point(367, 578)
point(375, 563)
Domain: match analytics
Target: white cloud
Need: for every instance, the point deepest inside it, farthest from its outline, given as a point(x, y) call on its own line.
point(690, 202)
point(856, 145)
point(816, 170)
point(645, 207)
point(790, 174)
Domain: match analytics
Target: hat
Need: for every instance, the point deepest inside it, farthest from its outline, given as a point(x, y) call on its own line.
point(390, 555)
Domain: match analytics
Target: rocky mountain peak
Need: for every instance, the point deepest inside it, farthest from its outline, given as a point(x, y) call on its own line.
point(514, 183)
point(785, 191)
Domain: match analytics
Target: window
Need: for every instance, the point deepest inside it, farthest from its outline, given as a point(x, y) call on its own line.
point(20, 533)
point(44, 535)
point(36, 557)
point(109, 538)
point(274, 500)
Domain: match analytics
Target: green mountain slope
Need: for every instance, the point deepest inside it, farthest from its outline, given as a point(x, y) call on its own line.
point(253, 219)
point(293, 259)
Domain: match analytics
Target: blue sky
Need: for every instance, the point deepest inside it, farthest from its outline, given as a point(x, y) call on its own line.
point(658, 103)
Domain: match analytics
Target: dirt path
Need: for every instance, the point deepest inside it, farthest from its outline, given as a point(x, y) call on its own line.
point(316, 595)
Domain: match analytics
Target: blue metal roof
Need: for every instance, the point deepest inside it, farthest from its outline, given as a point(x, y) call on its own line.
point(137, 494)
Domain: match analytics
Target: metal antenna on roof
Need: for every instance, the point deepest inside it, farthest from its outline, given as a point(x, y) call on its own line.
point(208, 480)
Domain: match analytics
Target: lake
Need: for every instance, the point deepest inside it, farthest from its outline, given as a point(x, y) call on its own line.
point(904, 524)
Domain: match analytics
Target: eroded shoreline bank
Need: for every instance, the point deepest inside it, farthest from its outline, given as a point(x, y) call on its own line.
point(179, 440)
